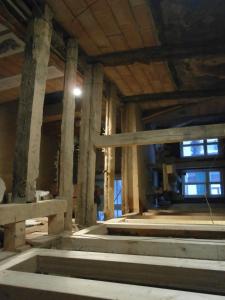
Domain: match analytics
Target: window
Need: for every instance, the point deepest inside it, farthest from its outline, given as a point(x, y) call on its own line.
point(197, 148)
point(117, 198)
point(201, 183)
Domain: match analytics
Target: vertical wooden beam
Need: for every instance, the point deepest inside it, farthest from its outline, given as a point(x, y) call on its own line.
point(67, 131)
point(30, 113)
point(109, 154)
point(90, 125)
point(94, 128)
point(83, 149)
point(133, 168)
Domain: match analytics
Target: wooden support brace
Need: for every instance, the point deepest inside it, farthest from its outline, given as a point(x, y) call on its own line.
point(56, 223)
point(14, 236)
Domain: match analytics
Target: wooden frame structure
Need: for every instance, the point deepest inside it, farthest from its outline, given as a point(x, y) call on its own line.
point(43, 38)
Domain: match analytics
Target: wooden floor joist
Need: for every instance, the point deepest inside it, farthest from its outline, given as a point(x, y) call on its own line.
point(135, 270)
point(24, 285)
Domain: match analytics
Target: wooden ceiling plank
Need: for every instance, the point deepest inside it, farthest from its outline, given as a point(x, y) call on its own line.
point(64, 16)
point(141, 77)
point(129, 79)
point(148, 75)
point(91, 26)
point(145, 22)
point(118, 80)
point(105, 18)
point(11, 65)
point(77, 6)
point(118, 42)
point(126, 22)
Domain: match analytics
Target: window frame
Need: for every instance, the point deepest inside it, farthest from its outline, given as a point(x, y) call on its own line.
point(205, 143)
point(207, 183)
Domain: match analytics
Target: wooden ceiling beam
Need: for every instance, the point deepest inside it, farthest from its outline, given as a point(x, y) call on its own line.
point(185, 94)
point(162, 136)
point(157, 53)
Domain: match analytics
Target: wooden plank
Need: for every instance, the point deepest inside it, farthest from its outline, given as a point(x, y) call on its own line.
point(27, 285)
point(109, 154)
point(30, 114)
point(201, 275)
point(163, 136)
point(168, 230)
point(14, 213)
point(11, 82)
point(66, 188)
point(149, 246)
point(126, 22)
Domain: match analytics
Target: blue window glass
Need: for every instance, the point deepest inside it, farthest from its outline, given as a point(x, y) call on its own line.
point(200, 183)
point(117, 198)
point(200, 148)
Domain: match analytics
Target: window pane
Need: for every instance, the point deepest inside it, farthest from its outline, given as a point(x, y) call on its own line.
point(195, 190)
point(212, 149)
point(215, 189)
point(214, 176)
point(195, 177)
point(193, 151)
point(212, 140)
point(193, 142)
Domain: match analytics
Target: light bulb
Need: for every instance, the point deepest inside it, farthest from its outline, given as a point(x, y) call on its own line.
point(77, 92)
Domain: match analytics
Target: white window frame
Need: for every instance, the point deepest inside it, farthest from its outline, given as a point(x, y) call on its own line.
point(207, 183)
point(205, 143)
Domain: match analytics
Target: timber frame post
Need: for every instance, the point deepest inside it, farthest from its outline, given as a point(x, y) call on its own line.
point(67, 131)
point(133, 174)
point(90, 127)
point(30, 113)
point(109, 154)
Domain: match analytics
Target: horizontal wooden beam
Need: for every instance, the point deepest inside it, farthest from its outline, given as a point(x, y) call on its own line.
point(174, 95)
point(13, 213)
point(163, 136)
point(157, 53)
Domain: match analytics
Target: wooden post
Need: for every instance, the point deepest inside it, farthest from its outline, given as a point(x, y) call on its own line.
point(90, 126)
point(83, 148)
point(109, 155)
point(14, 236)
point(30, 113)
point(67, 131)
point(94, 128)
point(133, 168)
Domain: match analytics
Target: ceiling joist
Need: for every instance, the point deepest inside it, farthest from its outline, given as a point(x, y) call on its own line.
point(174, 95)
point(157, 53)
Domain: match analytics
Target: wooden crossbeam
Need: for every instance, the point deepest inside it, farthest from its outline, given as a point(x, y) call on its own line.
point(185, 94)
point(157, 53)
point(163, 136)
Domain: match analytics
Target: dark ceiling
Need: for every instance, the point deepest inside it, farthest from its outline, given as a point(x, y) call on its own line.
point(193, 22)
